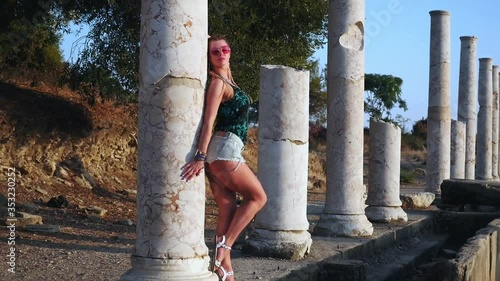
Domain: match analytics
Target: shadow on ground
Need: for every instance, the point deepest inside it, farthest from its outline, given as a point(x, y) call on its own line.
point(35, 113)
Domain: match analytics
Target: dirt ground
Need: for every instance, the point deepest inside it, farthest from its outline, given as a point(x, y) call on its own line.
point(58, 145)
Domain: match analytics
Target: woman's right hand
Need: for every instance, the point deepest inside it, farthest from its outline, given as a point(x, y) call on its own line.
point(192, 169)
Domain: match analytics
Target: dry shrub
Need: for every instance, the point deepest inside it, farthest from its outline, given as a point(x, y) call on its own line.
point(251, 152)
point(317, 165)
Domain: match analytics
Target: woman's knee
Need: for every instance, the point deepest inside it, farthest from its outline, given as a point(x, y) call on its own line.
point(262, 200)
point(259, 198)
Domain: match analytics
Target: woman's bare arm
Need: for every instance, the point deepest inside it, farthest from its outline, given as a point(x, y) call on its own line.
point(214, 98)
point(215, 94)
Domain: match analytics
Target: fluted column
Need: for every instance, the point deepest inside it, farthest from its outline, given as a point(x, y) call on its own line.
point(467, 100)
point(457, 160)
point(384, 173)
point(344, 207)
point(281, 227)
point(495, 124)
point(484, 119)
point(170, 216)
point(439, 113)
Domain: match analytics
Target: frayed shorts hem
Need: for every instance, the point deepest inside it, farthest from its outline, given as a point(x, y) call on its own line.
point(225, 146)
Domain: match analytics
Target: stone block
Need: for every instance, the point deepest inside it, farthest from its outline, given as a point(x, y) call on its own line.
point(473, 261)
point(417, 200)
point(22, 219)
point(479, 192)
point(346, 270)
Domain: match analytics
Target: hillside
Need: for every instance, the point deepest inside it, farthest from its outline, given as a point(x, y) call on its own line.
point(61, 146)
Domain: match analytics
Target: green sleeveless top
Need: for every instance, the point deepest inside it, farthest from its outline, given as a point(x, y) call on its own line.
point(233, 114)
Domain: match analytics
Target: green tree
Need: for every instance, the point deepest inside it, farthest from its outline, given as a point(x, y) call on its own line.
point(383, 93)
point(109, 62)
point(284, 32)
point(30, 35)
point(420, 128)
point(317, 95)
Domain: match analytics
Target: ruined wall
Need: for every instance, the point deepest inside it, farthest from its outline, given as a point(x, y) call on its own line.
point(478, 259)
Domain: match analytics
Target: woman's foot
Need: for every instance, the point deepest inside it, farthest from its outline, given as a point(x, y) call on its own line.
point(225, 272)
point(223, 267)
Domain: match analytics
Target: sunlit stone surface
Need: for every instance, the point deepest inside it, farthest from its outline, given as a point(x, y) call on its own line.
point(170, 219)
point(384, 173)
point(467, 100)
point(495, 124)
point(484, 120)
point(344, 207)
point(281, 227)
point(439, 114)
point(457, 161)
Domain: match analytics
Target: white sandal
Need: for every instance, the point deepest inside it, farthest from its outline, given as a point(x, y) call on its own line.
point(217, 263)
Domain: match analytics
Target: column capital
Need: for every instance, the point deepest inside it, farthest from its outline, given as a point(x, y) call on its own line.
point(485, 59)
point(439, 13)
point(468, 38)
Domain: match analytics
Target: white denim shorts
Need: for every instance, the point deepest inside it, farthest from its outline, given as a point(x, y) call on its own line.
point(225, 146)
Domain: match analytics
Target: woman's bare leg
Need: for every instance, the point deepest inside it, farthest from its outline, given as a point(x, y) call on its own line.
point(243, 181)
point(226, 203)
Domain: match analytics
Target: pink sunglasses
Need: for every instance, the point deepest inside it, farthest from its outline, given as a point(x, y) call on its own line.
point(222, 50)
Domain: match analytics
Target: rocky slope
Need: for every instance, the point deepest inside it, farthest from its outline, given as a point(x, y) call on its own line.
point(60, 146)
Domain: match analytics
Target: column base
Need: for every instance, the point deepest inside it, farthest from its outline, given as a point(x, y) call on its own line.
point(150, 269)
point(343, 225)
point(386, 214)
point(291, 244)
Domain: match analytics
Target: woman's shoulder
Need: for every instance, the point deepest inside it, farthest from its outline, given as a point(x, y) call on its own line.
point(216, 76)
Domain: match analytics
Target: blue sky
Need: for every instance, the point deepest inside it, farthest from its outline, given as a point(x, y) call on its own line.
point(72, 43)
point(398, 36)
point(397, 43)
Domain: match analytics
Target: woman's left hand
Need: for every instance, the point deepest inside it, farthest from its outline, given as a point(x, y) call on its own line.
point(191, 170)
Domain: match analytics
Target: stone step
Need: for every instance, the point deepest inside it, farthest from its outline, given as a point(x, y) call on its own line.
point(400, 262)
point(333, 258)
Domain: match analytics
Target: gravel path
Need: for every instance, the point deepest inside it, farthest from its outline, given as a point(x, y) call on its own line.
point(53, 261)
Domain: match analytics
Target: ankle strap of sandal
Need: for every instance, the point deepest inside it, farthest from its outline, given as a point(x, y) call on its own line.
point(222, 244)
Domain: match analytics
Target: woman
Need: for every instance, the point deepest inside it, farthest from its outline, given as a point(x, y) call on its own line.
point(226, 113)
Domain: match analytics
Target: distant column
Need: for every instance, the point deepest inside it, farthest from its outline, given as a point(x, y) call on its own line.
point(384, 173)
point(344, 213)
point(438, 114)
point(495, 124)
point(484, 120)
point(498, 91)
point(170, 212)
point(467, 100)
point(281, 228)
point(457, 161)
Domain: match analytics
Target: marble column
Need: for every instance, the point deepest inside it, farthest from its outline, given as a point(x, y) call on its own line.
point(495, 124)
point(439, 112)
point(344, 213)
point(384, 173)
point(467, 100)
point(498, 91)
point(484, 120)
point(281, 228)
point(170, 217)
point(457, 160)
